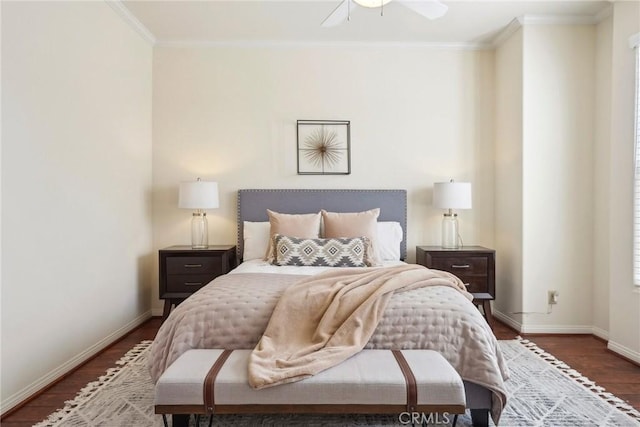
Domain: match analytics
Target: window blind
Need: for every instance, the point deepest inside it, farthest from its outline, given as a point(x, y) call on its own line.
point(635, 43)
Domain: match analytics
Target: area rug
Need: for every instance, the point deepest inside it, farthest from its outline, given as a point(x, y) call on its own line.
point(543, 391)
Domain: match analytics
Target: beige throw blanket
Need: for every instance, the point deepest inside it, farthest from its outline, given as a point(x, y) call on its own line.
point(325, 319)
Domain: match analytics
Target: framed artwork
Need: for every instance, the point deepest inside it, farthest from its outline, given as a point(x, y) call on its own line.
point(324, 147)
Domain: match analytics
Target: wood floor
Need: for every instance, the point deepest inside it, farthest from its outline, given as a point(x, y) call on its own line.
point(586, 354)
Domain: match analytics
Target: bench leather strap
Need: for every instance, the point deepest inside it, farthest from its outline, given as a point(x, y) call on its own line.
point(410, 379)
point(210, 380)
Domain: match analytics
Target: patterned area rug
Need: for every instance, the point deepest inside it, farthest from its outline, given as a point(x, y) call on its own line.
point(543, 391)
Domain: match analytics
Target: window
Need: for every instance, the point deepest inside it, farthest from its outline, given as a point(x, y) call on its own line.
point(634, 41)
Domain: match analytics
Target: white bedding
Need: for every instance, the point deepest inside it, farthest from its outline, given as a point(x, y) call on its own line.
point(260, 266)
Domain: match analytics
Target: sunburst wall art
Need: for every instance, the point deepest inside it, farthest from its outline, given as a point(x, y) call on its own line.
point(324, 147)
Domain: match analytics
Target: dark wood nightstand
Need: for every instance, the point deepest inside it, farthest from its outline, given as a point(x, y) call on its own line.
point(184, 270)
point(474, 265)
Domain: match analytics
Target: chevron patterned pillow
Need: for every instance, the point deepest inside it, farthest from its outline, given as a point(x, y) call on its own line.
point(334, 252)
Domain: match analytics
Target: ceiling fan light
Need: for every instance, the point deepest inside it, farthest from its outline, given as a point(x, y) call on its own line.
point(372, 3)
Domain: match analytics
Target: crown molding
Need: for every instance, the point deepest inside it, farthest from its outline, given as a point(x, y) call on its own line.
point(559, 19)
point(604, 14)
point(119, 7)
point(131, 20)
point(283, 44)
point(521, 21)
point(508, 31)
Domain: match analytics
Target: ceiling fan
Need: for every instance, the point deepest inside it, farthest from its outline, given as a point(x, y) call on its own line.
point(431, 9)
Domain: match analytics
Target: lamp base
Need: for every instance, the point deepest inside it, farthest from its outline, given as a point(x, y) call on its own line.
point(450, 231)
point(199, 231)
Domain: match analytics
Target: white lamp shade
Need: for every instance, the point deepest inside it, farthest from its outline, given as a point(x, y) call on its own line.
point(452, 195)
point(198, 195)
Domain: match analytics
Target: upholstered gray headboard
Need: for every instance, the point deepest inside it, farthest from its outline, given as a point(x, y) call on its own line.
point(253, 205)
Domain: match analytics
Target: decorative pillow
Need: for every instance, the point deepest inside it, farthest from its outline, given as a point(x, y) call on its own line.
point(303, 226)
point(256, 239)
point(389, 239)
point(320, 252)
point(355, 224)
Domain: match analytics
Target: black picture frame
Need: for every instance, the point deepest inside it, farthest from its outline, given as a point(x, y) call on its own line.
point(324, 147)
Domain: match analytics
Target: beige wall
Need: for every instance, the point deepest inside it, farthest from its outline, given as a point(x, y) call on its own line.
point(545, 83)
point(417, 115)
point(76, 178)
point(558, 112)
point(577, 166)
point(601, 178)
point(508, 178)
point(624, 297)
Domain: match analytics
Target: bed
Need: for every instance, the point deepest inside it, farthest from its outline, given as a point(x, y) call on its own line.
point(233, 310)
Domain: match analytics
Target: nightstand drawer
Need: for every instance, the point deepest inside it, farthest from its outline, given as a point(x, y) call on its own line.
point(460, 266)
point(183, 270)
point(188, 282)
point(194, 265)
point(476, 284)
point(474, 265)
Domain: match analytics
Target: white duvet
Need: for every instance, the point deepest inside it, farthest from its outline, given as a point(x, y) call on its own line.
point(260, 266)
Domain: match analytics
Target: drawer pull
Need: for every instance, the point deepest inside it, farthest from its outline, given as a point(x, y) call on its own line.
point(193, 283)
point(460, 266)
point(193, 265)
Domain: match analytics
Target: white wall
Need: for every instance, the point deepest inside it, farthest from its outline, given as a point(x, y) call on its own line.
point(76, 181)
point(417, 115)
point(601, 175)
point(624, 297)
point(577, 168)
point(557, 187)
point(508, 178)
point(545, 79)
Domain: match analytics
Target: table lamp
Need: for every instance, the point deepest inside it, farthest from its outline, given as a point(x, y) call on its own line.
point(198, 195)
point(451, 195)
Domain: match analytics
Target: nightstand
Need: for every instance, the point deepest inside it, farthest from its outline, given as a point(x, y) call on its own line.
point(184, 270)
point(474, 265)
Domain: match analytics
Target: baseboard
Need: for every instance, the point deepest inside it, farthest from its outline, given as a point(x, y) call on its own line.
point(549, 329)
point(622, 351)
point(600, 333)
point(508, 320)
point(157, 312)
point(557, 329)
point(35, 387)
point(625, 352)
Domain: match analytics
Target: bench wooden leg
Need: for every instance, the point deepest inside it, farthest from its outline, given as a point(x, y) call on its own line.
point(180, 420)
point(480, 417)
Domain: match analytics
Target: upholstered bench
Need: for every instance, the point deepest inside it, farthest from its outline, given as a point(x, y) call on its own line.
point(407, 382)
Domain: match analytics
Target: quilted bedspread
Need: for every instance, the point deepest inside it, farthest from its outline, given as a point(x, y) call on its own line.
point(233, 311)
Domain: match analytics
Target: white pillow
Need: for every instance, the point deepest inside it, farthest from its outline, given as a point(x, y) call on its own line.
point(389, 239)
point(256, 239)
point(257, 234)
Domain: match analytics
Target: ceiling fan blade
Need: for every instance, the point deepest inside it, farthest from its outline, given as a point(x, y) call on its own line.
point(431, 9)
point(338, 16)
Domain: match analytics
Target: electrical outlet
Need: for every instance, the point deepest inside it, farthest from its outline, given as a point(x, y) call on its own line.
point(553, 297)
